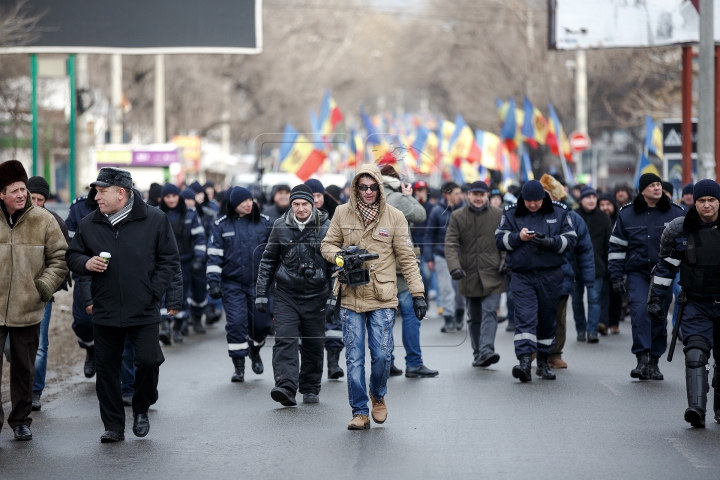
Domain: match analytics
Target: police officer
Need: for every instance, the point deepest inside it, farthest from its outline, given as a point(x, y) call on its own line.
point(293, 263)
point(693, 244)
point(535, 232)
point(235, 249)
point(190, 238)
point(634, 246)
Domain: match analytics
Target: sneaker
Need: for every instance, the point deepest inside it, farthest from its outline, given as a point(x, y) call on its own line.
point(487, 361)
point(592, 337)
point(359, 422)
point(379, 410)
point(310, 398)
point(581, 337)
point(36, 405)
point(421, 371)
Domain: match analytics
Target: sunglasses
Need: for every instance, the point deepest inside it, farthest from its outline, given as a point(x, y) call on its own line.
point(373, 188)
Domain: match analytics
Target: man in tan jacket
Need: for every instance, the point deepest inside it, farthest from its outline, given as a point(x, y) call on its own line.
point(368, 222)
point(32, 252)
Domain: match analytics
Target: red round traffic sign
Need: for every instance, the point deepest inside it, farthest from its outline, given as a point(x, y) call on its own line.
point(579, 141)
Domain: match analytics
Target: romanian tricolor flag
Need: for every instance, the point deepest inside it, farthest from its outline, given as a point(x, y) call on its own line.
point(298, 155)
point(535, 127)
point(377, 145)
point(653, 137)
point(462, 143)
point(556, 130)
point(330, 115)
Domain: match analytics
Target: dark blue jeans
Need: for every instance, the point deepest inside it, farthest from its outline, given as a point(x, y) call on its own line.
point(127, 371)
point(410, 331)
point(41, 356)
point(594, 308)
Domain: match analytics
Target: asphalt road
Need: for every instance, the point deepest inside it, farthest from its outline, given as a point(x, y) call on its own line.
point(594, 421)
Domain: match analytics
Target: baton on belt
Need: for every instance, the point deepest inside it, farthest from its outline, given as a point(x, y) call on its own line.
point(681, 303)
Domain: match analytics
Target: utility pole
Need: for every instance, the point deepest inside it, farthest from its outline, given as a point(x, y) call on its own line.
point(116, 129)
point(159, 103)
point(706, 102)
point(83, 142)
point(581, 108)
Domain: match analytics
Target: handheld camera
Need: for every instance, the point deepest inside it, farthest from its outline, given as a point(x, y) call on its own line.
point(350, 260)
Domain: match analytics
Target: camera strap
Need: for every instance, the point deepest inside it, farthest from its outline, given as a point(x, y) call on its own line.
point(299, 238)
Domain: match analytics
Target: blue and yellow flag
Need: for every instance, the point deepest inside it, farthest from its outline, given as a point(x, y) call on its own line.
point(644, 166)
point(653, 137)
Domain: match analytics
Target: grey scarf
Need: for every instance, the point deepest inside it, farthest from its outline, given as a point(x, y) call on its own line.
point(121, 214)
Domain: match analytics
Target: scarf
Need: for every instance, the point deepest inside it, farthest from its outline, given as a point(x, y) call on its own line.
point(368, 212)
point(122, 214)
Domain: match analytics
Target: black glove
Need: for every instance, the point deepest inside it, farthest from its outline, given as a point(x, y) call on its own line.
point(420, 307)
point(456, 274)
point(544, 243)
point(215, 292)
point(619, 286)
point(198, 264)
point(261, 303)
point(503, 269)
point(330, 310)
point(655, 310)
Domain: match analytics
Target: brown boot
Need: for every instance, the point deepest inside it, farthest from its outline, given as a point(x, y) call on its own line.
point(359, 422)
point(379, 410)
point(557, 362)
point(614, 330)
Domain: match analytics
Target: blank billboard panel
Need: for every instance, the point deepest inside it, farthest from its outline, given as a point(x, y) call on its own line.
point(142, 26)
point(623, 23)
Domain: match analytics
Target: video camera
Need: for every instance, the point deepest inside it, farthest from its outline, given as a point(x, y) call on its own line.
point(350, 260)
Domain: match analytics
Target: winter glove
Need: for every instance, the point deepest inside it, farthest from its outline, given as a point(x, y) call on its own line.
point(544, 243)
point(45, 292)
point(655, 310)
point(261, 303)
point(198, 264)
point(619, 286)
point(456, 274)
point(215, 292)
point(503, 269)
point(330, 310)
point(420, 307)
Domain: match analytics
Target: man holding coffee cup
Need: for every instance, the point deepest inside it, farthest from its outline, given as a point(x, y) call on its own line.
point(126, 292)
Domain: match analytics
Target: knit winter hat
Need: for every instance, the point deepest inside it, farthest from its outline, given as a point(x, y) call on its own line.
point(188, 194)
point(302, 192)
point(315, 185)
point(239, 195)
point(39, 185)
point(169, 189)
point(586, 192)
point(155, 190)
point(646, 179)
point(687, 189)
point(10, 172)
point(667, 186)
point(196, 187)
point(533, 190)
point(706, 188)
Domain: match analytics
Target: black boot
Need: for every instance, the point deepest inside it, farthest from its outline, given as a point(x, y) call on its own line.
point(641, 371)
point(197, 324)
point(654, 369)
point(543, 370)
point(177, 336)
point(473, 329)
point(716, 397)
point(254, 355)
point(395, 371)
point(523, 371)
point(212, 315)
point(696, 380)
point(511, 325)
point(165, 332)
point(449, 326)
point(239, 375)
point(459, 318)
point(334, 370)
point(184, 328)
point(89, 366)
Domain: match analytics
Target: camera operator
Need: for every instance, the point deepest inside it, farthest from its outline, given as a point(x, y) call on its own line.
point(293, 264)
point(371, 224)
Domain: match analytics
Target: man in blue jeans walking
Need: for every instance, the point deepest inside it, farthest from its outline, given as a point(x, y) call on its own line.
point(369, 223)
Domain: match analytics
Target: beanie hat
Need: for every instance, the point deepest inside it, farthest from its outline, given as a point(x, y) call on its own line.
point(553, 186)
point(315, 185)
point(586, 192)
point(39, 185)
point(196, 187)
point(169, 189)
point(10, 172)
point(646, 179)
point(239, 195)
point(533, 190)
point(188, 194)
point(688, 189)
point(155, 190)
point(209, 184)
point(706, 188)
point(667, 186)
point(302, 192)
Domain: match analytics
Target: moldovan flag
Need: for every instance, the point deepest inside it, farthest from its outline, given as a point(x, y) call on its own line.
point(556, 130)
point(424, 149)
point(462, 142)
point(445, 132)
point(377, 144)
point(357, 149)
point(330, 115)
point(492, 150)
point(534, 128)
point(653, 137)
point(644, 166)
point(511, 121)
point(298, 155)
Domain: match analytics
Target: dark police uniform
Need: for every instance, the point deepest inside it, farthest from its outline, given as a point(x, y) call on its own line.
point(537, 275)
point(634, 247)
point(693, 247)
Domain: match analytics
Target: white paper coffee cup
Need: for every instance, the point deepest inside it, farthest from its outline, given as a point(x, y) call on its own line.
point(105, 256)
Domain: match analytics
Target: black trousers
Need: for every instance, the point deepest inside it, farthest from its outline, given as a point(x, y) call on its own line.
point(24, 343)
point(109, 344)
point(308, 318)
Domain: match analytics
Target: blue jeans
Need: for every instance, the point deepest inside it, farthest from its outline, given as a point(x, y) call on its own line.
point(410, 331)
point(41, 356)
point(379, 324)
point(594, 294)
point(127, 372)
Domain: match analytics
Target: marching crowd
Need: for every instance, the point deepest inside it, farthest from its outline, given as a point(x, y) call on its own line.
point(322, 268)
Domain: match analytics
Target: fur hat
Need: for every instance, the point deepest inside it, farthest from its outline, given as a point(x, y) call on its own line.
point(554, 188)
point(10, 172)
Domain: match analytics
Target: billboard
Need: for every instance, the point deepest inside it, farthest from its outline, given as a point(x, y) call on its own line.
point(623, 23)
point(142, 26)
